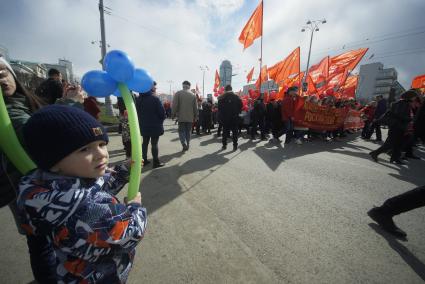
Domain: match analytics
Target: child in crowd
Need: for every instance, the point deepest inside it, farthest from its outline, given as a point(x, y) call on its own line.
point(70, 198)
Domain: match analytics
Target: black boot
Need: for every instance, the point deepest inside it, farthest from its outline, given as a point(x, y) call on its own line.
point(386, 222)
point(374, 156)
point(157, 164)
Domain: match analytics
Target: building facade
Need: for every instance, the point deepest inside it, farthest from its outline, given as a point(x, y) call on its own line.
point(225, 73)
point(375, 80)
point(267, 86)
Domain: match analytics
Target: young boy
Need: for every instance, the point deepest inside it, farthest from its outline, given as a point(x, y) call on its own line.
point(69, 198)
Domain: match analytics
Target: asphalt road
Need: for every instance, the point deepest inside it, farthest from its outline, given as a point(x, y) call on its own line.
point(266, 213)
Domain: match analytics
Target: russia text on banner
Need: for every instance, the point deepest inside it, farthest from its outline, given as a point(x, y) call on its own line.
point(281, 71)
point(216, 81)
point(318, 117)
point(353, 120)
point(253, 28)
point(262, 78)
point(249, 76)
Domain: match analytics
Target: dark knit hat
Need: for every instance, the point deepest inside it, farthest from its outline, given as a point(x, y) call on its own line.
point(55, 131)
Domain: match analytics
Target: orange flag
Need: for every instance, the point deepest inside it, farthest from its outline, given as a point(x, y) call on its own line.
point(318, 74)
point(249, 76)
point(253, 28)
point(281, 71)
point(418, 82)
point(216, 81)
point(341, 65)
point(263, 77)
point(350, 86)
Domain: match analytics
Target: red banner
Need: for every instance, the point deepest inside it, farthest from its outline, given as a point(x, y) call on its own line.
point(317, 117)
point(353, 120)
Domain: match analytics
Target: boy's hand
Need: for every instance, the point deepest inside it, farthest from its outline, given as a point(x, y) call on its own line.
point(137, 199)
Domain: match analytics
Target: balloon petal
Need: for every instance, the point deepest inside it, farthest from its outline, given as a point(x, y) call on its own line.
point(98, 83)
point(142, 81)
point(119, 66)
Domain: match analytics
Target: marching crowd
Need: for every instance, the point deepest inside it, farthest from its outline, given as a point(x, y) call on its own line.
point(76, 228)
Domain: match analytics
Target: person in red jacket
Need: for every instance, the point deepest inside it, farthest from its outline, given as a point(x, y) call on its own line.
point(368, 113)
point(288, 109)
point(90, 106)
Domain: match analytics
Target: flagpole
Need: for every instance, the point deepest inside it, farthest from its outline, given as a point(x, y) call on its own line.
point(261, 46)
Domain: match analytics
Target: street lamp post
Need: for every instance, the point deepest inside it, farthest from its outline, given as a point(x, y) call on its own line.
point(203, 68)
point(313, 26)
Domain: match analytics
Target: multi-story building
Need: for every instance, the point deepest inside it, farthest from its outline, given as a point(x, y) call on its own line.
point(375, 80)
point(225, 73)
point(267, 86)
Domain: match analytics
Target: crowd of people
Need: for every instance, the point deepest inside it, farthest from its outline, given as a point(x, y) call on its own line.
point(76, 228)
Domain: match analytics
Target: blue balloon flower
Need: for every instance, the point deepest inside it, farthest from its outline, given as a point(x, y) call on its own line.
point(98, 83)
point(119, 66)
point(142, 81)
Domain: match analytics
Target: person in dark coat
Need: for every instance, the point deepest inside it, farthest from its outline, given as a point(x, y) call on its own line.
point(276, 119)
point(399, 119)
point(258, 116)
point(151, 118)
point(51, 89)
point(207, 117)
point(419, 124)
point(381, 108)
point(229, 108)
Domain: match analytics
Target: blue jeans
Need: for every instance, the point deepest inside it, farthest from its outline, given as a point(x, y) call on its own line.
point(185, 129)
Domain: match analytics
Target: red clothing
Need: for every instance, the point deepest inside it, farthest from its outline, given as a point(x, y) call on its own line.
point(288, 108)
point(90, 106)
point(369, 112)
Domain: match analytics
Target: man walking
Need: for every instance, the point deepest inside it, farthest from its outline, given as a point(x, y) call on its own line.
point(186, 110)
point(229, 108)
point(51, 89)
point(151, 119)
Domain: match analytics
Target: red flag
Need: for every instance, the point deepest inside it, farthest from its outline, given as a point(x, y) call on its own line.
point(281, 71)
point(350, 86)
point(263, 77)
point(341, 65)
point(253, 28)
point(249, 76)
point(216, 81)
point(418, 82)
point(318, 74)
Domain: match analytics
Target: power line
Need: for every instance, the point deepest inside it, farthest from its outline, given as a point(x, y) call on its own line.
point(155, 30)
point(402, 53)
point(374, 40)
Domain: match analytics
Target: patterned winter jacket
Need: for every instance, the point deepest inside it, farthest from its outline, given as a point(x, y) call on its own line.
point(93, 235)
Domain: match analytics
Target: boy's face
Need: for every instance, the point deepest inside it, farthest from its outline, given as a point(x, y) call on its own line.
point(89, 161)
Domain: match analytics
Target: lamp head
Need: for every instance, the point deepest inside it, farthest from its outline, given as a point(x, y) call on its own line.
point(308, 22)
